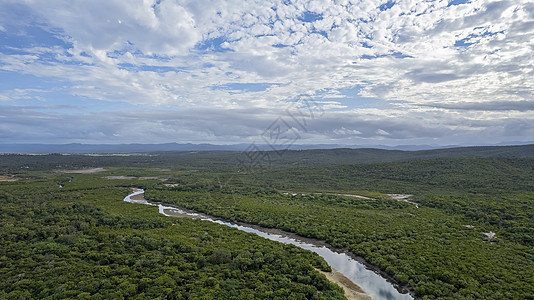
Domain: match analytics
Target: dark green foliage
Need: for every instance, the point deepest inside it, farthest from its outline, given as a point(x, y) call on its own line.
point(429, 248)
point(217, 160)
point(459, 175)
point(78, 243)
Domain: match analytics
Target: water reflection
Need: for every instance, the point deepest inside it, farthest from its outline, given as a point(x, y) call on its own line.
point(373, 284)
point(386, 294)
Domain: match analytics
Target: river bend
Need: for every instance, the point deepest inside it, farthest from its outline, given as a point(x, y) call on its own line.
point(373, 284)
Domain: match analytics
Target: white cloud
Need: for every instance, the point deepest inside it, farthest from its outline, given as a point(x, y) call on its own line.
point(382, 132)
point(174, 52)
point(345, 131)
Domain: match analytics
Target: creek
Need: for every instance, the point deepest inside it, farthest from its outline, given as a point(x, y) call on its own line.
point(373, 284)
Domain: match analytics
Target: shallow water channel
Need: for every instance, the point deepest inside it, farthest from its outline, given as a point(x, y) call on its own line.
point(373, 284)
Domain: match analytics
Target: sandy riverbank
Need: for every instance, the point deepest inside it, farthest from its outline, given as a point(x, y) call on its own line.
point(352, 290)
point(138, 197)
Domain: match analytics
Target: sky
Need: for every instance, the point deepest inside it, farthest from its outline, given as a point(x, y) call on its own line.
point(407, 72)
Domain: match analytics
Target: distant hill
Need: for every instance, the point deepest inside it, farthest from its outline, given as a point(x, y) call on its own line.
point(370, 155)
point(225, 160)
point(77, 148)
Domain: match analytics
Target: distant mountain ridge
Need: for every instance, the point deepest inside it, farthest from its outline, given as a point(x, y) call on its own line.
point(373, 155)
point(77, 148)
point(226, 160)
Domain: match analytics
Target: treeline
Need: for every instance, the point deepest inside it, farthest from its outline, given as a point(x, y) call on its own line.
point(220, 160)
point(448, 176)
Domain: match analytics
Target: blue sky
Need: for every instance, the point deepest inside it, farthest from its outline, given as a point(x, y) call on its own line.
point(342, 72)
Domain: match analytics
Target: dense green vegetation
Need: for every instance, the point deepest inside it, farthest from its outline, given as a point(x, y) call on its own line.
point(438, 249)
point(425, 247)
point(432, 248)
point(222, 160)
point(82, 241)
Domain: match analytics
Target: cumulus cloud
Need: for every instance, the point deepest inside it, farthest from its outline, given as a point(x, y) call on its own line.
point(153, 27)
point(522, 106)
point(362, 126)
point(449, 65)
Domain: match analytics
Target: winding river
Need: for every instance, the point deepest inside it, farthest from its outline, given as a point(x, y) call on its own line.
point(373, 284)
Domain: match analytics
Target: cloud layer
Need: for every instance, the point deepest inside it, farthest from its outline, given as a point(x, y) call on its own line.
point(392, 72)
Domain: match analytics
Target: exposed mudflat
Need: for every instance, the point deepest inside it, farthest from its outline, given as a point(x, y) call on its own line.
point(138, 197)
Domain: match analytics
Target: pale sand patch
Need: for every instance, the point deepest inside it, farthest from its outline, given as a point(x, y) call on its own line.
point(171, 184)
point(355, 196)
point(140, 178)
point(84, 171)
point(352, 290)
point(345, 195)
point(160, 169)
point(490, 235)
point(119, 177)
point(403, 198)
point(5, 178)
